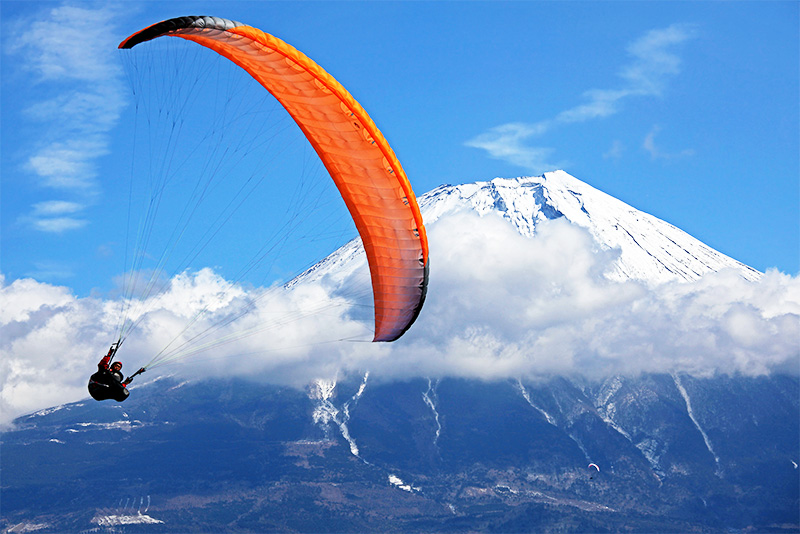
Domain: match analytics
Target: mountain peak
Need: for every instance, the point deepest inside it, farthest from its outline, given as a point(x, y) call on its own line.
point(650, 249)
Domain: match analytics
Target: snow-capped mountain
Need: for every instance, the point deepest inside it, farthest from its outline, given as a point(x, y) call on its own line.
point(649, 248)
point(366, 453)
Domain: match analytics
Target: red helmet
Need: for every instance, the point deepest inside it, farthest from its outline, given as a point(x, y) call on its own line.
point(116, 363)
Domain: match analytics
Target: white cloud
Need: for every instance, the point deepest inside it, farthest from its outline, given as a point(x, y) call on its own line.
point(601, 103)
point(507, 142)
point(58, 225)
point(45, 333)
point(499, 305)
point(649, 144)
point(50, 270)
point(69, 42)
point(653, 63)
point(68, 55)
point(56, 207)
point(26, 296)
point(616, 150)
point(55, 216)
point(67, 164)
point(86, 111)
point(654, 60)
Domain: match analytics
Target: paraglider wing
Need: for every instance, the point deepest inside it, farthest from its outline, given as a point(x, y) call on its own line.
point(590, 466)
point(357, 156)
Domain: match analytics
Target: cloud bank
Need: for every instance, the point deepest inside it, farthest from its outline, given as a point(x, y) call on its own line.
point(499, 305)
point(653, 62)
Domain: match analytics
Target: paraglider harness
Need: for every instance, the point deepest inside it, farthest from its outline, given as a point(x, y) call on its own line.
point(105, 384)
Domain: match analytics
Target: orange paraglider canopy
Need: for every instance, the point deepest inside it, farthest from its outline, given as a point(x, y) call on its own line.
point(355, 153)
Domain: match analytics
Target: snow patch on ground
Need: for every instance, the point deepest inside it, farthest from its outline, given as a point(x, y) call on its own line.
point(115, 520)
point(125, 425)
point(26, 527)
point(398, 483)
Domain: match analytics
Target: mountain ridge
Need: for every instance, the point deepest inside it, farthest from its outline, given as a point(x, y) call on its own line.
point(448, 455)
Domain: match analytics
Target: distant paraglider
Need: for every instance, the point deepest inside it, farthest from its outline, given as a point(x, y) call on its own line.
point(594, 469)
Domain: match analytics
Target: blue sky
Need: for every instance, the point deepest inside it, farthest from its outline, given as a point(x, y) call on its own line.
point(685, 110)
